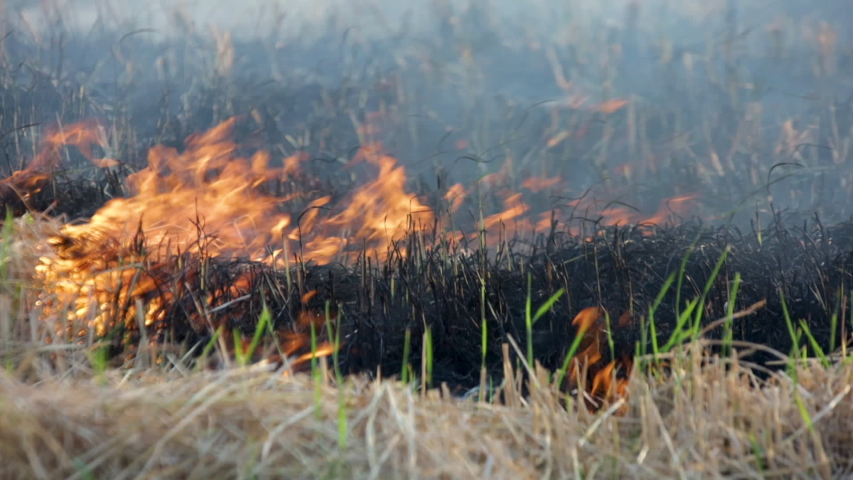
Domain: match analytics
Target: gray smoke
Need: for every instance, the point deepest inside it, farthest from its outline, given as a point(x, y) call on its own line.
point(690, 58)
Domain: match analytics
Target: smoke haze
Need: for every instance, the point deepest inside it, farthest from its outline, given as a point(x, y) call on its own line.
point(703, 76)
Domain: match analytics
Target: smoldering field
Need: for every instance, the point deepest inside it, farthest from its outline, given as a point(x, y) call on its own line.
point(208, 201)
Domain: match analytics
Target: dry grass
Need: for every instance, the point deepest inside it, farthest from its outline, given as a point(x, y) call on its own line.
point(702, 422)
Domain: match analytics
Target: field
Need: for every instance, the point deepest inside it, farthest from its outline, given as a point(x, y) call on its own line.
point(583, 239)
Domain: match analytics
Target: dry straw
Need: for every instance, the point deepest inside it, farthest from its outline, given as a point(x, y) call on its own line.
point(701, 422)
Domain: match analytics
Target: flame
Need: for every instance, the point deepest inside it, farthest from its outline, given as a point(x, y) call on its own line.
point(669, 208)
point(539, 184)
point(207, 201)
point(455, 196)
point(22, 184)
point(558, 138)
point(679, 205)
point(611, 106)
point(209, 184)
point(290, 348)
point(210, 200)
point(589, 327)
point(605, 385)
point(322, 351)
point(174, 193)
point(379, 213)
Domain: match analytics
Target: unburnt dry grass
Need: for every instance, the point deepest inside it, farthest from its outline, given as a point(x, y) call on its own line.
point(701, 422)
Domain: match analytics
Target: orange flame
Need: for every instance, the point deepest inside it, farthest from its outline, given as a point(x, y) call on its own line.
point(611, 106)
point(22, 184)
point(539, 184)
point(604, 385)
point(378, 213)
point(208, 199)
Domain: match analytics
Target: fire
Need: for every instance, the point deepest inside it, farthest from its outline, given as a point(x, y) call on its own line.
point(539, 184)
point(208, 185)
point(673, 207)
point(16, 190)
point(206, 201)
point(611, 106)
point(205, 183)
point(379, 213)
point(323, 351)
point(605, 383)
point(209, 200)
point(600, 381)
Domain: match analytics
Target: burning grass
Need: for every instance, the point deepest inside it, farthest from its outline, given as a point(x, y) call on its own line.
point(173, 305)
point(209, 231)
point(440, 262)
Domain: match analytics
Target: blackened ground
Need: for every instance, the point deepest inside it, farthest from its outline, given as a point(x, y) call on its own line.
point(623, 270)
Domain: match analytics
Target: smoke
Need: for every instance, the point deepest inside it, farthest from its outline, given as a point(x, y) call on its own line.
point(713, 69)
point(687, 21)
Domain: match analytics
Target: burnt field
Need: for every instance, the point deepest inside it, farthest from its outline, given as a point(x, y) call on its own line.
point(469, 201)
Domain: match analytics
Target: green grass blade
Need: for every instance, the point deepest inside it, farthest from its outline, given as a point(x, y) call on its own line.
point(407, 345)
point(795, 338)
point(264, 322)
point(8, 231)
point(655, 305)
point(528, 320)
point(678, 334)
point(697, 323)
point(682, 270)
point(824, 360)
point(728, 332)
point(238, 348)
point(546, 307)
point(570, 355)
point(429, 358)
